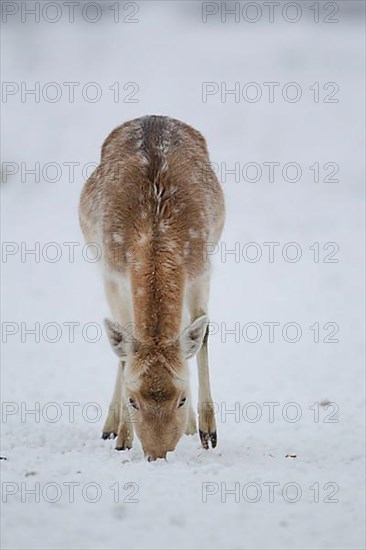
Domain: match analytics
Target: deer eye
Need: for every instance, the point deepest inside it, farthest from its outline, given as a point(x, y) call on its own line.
point(133, 404)
point(182, 401)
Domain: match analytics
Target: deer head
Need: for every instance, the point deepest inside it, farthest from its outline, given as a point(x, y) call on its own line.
point(156, 384)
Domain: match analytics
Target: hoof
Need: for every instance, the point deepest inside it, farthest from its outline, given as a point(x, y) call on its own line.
point(123, 448)
point(109, 435)
point(206, 438)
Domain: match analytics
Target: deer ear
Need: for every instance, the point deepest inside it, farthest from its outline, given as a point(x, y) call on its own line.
point(192, 337)
point(121, 340)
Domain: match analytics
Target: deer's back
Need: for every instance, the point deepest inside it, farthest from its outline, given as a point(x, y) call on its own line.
point(155, 192)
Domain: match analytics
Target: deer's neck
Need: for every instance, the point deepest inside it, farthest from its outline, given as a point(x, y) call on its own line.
point(157, 284)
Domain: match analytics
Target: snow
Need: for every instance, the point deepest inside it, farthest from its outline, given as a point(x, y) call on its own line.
point(181, 502)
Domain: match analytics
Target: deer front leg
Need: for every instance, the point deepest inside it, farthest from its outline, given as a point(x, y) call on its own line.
point(111, 424)
point(191, 428)
point(125, 427)
point(125, 431)
point(206, 410)
point(118, 423)
point(198, 300)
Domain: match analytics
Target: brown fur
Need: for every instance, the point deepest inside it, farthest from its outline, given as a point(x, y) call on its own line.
point(153, 204)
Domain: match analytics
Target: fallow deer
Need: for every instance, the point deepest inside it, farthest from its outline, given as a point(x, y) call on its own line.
point(152, 206)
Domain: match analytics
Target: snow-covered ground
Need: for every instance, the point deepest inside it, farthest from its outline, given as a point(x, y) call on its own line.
point(279, 384)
